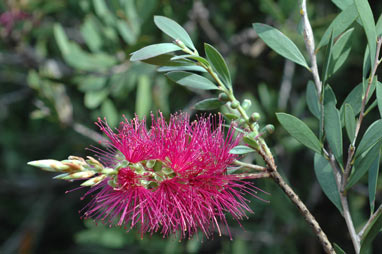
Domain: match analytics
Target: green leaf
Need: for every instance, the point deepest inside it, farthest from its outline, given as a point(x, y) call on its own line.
point(338, 249)
point(362, 164)
point(326, 179)
point(91, 83)
point(378, 26)
point(339, 24)
point(349, 121)
point(371, 231)
point(328, 59)
point(153, 51)
point(241, 150)
point(174, 30)
point(90, 32)
point(280, 43)
point(354, 99)
point(333, 131)
point(191, 80)
point(312, 99)
point(342, 4)
point(94, 98)
point(181, 68)
point(379, 97)
point(300, 131)
point(371, 137)
point(165, 60)
point(143, 99)
point(110, 112)
point(208, 104)
point(372, 182)
point(196, 58)
point(61, 39)
point(127, 34)
point(341, 51)
point(329, 95)
point(218, 64)
point(367, 19)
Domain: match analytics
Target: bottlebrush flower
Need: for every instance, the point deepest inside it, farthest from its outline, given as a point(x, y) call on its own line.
point(169, 178)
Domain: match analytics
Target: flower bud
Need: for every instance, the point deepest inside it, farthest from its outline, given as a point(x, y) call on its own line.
point(49, 165)
point(223, 97)
point(235, 104)
point(93, 162)
point(94, 181)
point(246, 104)
point(79, 175)
point(255, 117)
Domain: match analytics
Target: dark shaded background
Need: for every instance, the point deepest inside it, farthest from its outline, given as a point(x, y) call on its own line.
point(49, 100)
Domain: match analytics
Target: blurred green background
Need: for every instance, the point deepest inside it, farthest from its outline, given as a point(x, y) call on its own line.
point(65, 63)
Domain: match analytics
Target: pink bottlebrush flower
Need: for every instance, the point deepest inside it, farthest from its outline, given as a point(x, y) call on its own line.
point(169, 178)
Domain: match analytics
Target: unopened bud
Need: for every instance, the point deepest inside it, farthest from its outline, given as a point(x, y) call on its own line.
point(79, 175)
point(49, 165)
point(60, 176)
point(267, 130)
point(235, 104)
point(94, 181)
point(150, 163)
point(246, 104)
point(223, 97)
point(109, 171)
point(93, 162)
point(255, 117)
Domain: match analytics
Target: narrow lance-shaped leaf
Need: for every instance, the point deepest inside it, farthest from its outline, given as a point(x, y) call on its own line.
point(349, 121)
point(218, 64)
point(371, 137)
point(174, 30)
point(326, 179)
point(341, 51)
point(191, 80)
point(379, 96)
point(181, 68)
point(241, 150)
point(362, 164)
point(368, 24)
point(372, 183)
point(312, 99)
point(339, 24)
point(277, 41)
point(153, 51)
point(328, 60)
point(300, 131)
point(333, 131)
point(61, 38)
point(208, 104)
point(342, 4)
point(354, 99)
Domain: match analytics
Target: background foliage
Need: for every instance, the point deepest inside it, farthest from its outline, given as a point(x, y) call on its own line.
point(65, 63)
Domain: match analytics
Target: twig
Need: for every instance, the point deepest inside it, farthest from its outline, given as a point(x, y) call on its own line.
point(351, 149)
point(253, 175)
point(250, 166)
point(266, 154)
point(375, 214)
point(326, 244)
point(309, 44)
